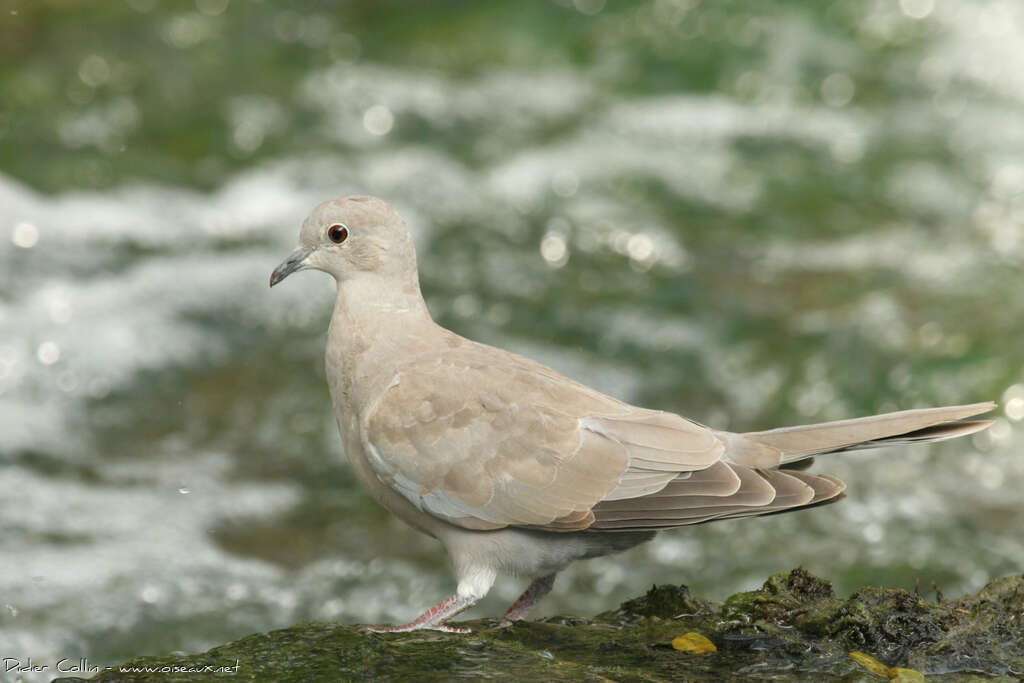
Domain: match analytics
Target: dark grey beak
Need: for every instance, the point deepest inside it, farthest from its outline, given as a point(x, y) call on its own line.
point(297, 261)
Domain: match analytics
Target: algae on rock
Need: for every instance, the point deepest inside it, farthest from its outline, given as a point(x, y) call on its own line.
point(793, 627)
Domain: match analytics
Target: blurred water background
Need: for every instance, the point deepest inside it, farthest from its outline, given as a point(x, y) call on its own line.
point(752, 213)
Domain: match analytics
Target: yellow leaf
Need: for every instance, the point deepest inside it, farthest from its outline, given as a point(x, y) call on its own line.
point(894, 673)
point(870, 663)
point(693, 642)
point(901, 675)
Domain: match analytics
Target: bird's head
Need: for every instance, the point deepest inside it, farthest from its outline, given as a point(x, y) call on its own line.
point(353, 237)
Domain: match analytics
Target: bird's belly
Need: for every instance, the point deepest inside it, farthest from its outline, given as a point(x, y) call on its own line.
point(339, 383)
point(525, 552)
point(395, 502)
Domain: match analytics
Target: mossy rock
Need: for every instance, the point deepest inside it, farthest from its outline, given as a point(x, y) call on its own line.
point(793, 628)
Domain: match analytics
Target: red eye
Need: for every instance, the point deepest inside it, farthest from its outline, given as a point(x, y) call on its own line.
point(337, 233)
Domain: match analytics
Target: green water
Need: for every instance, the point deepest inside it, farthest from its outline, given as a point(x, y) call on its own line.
point(752, 213)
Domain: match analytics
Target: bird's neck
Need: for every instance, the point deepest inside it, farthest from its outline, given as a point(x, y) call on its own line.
point(376, 324)
point(373, 300)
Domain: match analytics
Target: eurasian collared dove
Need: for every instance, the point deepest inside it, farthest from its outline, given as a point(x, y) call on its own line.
point(515, 468)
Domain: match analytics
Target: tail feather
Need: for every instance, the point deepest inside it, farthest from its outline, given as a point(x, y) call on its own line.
point(791, 444)
point(941, 432)
point(759, 473)
point(827, 490)
point(760, 492)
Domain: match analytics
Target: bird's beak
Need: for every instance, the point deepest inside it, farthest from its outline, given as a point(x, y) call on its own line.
point(296, 261)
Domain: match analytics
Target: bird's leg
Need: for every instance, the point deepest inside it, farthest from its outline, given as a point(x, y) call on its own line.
point(433, 618)
point(472, 586)
point(530, 597)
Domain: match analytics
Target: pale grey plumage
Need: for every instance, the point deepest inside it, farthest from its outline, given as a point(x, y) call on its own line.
point(515, 468)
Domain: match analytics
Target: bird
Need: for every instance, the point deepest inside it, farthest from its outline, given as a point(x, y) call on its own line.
point(516, 469)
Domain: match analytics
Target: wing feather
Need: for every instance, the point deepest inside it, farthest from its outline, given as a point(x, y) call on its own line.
point(485, 442)
point(485, 439)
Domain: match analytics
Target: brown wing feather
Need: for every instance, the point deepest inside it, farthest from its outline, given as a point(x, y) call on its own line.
point(484, 439)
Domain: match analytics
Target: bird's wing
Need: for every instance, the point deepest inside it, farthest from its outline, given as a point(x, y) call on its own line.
point(486, 439)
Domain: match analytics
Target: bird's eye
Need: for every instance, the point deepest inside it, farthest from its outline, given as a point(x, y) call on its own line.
point(338, 233)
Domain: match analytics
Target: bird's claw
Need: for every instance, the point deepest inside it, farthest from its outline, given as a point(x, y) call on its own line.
point(408, 628)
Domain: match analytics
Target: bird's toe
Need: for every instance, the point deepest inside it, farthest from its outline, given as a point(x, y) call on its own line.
point(407, 628)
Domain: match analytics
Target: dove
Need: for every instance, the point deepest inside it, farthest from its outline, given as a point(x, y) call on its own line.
point(516, 469)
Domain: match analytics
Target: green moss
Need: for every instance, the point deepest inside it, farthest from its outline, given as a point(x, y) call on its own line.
point(792, 627)
point(667, 602)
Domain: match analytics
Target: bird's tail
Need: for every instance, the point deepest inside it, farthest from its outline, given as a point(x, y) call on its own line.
point(794, 448)
point(787, 445)
point(756, 474)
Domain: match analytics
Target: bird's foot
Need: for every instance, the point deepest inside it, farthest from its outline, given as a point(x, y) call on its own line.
point(530, 597)
point(433, 619)
point(413, 626)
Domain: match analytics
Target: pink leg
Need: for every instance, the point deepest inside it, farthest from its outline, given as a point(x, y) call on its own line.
point(530, 597)
point(432, 619)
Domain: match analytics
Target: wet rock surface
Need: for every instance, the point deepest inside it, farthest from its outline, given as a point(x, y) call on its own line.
point(792, 628)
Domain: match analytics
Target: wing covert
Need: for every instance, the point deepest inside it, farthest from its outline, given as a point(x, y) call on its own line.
point(486, 445)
